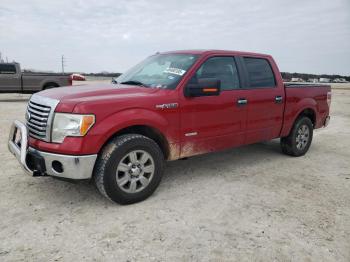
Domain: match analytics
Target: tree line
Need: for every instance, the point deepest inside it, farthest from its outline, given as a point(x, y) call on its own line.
point(286, 75)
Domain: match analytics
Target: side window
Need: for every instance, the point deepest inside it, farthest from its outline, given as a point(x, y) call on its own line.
point(259, 72)
point(221, 68)
point(7, 69)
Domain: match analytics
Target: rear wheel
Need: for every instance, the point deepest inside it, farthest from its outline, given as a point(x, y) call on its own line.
point(50, 85)
point(298, 142)
point(129, 169)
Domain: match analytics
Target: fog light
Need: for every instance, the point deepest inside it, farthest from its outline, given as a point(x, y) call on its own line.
point(57, 166)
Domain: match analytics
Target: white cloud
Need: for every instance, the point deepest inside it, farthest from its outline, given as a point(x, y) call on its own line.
point(304, 36)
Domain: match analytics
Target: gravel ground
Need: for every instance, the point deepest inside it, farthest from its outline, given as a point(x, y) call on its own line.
point(245, 204)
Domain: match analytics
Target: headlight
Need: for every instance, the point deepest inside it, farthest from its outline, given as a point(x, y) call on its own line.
point(70, 125)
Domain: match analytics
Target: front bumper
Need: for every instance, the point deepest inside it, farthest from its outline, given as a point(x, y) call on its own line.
point(36, 162)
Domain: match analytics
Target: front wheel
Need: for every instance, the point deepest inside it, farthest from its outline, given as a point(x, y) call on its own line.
point(129, 169)
point(298, 142)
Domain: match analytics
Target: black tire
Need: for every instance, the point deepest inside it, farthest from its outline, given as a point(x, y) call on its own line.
point(112, 155)
point(289, 144)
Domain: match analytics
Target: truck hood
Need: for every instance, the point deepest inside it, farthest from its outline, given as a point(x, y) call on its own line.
point(70, 96)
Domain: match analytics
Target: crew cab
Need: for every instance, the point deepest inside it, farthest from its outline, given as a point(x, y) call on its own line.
point(13, 80)
point(172, 105)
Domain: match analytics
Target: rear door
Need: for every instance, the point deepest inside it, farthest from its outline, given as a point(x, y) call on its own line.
point(211, 123)
point(10, 79)
point(265, 100)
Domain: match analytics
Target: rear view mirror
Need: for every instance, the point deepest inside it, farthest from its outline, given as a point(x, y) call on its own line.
point(204, 87)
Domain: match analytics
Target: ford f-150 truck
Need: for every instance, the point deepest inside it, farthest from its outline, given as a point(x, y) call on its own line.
point(13, 80)
point(172, 105)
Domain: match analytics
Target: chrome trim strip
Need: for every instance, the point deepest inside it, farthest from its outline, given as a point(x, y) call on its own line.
point(191, 134)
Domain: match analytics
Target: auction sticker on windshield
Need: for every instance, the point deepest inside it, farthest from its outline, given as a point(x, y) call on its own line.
point(175, 71)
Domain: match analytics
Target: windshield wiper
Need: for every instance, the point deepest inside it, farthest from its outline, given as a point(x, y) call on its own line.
point(134, 82)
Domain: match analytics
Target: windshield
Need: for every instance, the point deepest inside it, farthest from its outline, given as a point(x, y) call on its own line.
point(160, 71)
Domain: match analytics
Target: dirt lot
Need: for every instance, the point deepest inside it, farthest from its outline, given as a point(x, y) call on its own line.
point(250, 203)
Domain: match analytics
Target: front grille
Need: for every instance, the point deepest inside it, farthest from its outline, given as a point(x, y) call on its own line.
point(37, 119)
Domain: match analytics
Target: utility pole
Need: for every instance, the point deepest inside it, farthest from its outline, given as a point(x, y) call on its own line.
point(63, 63)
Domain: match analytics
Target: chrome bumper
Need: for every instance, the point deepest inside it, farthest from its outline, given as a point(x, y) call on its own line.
point(71, 167)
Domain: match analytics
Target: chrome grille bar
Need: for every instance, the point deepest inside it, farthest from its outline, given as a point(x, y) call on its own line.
point(38, 113)
point(39, 107)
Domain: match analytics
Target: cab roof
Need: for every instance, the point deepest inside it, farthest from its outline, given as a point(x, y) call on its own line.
point(214, 52)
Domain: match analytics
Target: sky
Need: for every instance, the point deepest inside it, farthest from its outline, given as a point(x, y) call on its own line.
point(305, 36)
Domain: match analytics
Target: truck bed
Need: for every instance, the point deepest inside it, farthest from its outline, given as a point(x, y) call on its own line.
point(299, 94)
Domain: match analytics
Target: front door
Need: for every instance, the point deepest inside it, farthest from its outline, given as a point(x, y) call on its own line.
point(211, 123)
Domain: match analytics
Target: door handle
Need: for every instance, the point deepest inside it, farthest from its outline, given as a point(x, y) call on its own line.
point(278, 99)
point(242, 101)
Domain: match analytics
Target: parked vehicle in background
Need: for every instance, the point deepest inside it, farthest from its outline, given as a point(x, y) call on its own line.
point(172, 105)
point(13, 80)
point(340, 80)
point(78, 77)
point(324, 80)
point(297, 79)
point(312, 80)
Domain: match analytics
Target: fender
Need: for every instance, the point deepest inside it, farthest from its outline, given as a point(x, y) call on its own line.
point(293, 110)
point(109, 126)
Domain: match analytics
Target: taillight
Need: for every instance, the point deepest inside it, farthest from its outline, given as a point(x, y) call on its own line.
point(329, 98)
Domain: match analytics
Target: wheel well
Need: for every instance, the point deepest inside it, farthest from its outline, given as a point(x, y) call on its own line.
point(149, 132)
point(310, 114)
point(50, 84)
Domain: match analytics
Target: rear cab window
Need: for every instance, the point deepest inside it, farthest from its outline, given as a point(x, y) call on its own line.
point(260, 74)
point(222, 68)
point(7, 69)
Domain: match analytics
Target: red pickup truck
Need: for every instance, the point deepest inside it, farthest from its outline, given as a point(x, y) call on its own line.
point(172, 105)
